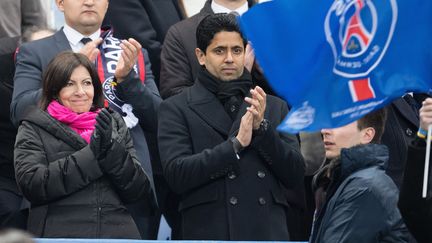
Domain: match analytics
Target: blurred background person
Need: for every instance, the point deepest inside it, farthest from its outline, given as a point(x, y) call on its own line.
point(10, 197)
point(13, 210)
point(74, 161)
point(151, 20)
point(15, 236)
point(18, 15)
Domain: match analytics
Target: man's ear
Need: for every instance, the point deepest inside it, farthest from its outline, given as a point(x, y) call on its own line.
point(59, 4)
point(367, 135)
point(200, 56)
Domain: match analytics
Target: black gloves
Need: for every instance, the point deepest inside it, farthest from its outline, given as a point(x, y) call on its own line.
point(101, 139)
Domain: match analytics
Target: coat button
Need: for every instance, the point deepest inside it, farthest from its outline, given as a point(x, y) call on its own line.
point(261, 201)
point(408, 132)
point(232, 108)
point(232, 175)
point(233, 200)
point(261, 174)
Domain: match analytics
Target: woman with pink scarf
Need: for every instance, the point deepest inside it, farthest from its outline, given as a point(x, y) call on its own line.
point(75, 161)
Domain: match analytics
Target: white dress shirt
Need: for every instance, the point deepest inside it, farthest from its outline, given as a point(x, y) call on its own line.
point(217, 8)
point(74, 37)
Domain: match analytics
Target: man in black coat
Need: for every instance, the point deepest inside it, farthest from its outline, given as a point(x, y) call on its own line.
point(400, 132)
point(220, 149)
point(415, 210)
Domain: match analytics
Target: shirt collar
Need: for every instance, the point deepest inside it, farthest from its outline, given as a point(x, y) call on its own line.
point(217, 8)
point(74, 37)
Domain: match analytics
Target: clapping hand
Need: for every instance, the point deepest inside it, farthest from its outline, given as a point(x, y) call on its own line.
point(129, 56)
point(258, 105)
point(101, 139)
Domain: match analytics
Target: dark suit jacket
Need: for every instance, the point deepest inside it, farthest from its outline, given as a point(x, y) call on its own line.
point(225, 198)
point(145, 20)
point(179, 64)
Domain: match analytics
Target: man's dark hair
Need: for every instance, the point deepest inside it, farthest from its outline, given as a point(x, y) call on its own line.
point(376, 119)
point(213, 24)
point(58, 74)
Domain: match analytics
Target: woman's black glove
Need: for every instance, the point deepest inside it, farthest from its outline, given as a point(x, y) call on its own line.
point(101, 139)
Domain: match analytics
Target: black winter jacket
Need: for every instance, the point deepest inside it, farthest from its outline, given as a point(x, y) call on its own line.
point(72, 194)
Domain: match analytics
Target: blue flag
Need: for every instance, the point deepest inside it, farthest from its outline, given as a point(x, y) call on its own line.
point(335, 61)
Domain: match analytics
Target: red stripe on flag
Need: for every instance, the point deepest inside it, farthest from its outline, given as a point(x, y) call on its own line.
point(361, 89)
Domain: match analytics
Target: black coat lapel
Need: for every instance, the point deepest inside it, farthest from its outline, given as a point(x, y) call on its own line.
point(209, 108)
point(236, 124)
point(406, 111)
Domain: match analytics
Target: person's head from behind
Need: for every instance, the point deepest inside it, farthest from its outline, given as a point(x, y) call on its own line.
point(36, 33)
point(85, 16)
point(368, 129)
point(221, 46)
point(72, 80)
point(15, 236)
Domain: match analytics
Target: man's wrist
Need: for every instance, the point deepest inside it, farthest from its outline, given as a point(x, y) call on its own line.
point(237, 146)
point(264, 125)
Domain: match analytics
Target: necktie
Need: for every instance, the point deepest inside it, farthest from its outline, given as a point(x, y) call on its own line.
point(85, 40)
point(235, 13)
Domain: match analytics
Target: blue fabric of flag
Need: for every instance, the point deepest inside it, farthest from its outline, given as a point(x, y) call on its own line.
point(335, 61)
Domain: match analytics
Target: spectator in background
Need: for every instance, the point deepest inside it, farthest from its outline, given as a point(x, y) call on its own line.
point(74, 161)
point(356, 200)
point(12, 208)
point(417, 211)
point(147, 21)
point(10, 197)
point(401, 126)
point(15, 236)
point(16, 16)
point(36, 33)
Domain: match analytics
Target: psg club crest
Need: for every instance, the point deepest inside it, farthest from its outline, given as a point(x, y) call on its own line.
point(359, 33)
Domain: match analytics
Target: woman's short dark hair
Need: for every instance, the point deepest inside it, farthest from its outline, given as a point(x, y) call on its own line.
point(58, 73)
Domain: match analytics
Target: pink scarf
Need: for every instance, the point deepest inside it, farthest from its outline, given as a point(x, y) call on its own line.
point(83, 124)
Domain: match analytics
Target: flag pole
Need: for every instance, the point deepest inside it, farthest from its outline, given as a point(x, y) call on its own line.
point(427, 157)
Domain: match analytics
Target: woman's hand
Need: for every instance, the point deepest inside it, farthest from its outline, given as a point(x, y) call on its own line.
point(101, 139)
